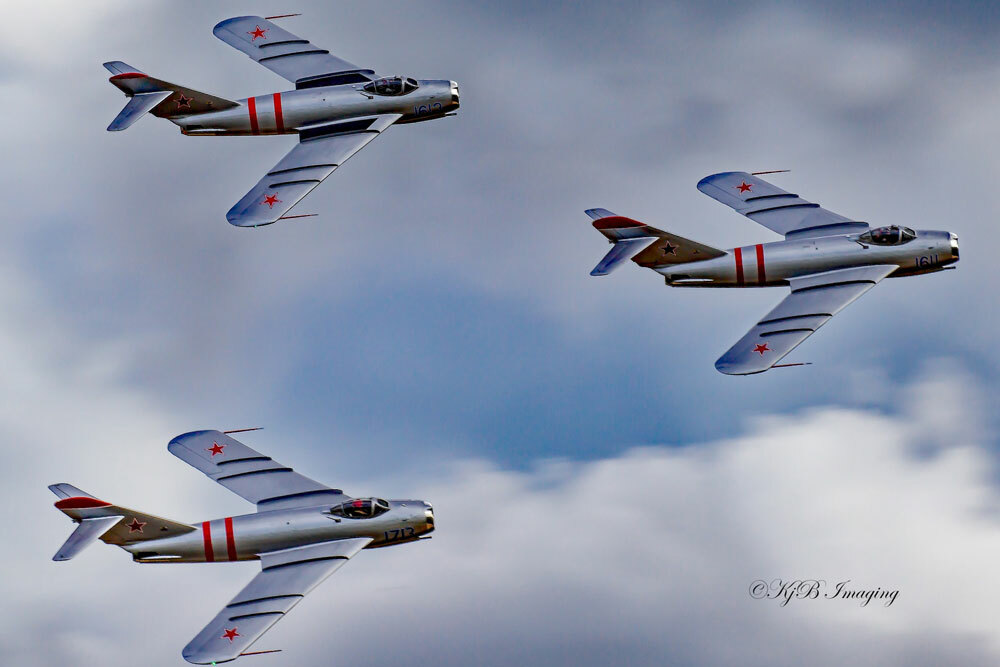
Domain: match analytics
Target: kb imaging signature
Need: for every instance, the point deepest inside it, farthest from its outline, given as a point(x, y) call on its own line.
point(814, 589)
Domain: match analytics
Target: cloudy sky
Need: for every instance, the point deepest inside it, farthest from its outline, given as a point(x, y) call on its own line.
point(603, 495)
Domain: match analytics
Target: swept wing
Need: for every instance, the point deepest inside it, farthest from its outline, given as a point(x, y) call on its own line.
point(250, 474)
point(286, 577)
point(287, 55)
point(319, 152)
point(814, 300)
point(780, 211)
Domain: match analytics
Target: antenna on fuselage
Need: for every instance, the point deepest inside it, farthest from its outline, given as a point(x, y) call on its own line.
point(801, 363)
point(773, 171)
point(244, 430)
point(281, 16)
point(273, 650)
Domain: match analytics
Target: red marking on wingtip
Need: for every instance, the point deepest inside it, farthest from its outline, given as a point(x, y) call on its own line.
point(129, 75)
point(616, 222)
point(79, 503)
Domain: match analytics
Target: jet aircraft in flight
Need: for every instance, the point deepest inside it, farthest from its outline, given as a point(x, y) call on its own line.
point(335, 109)
point(827, 260)
point(301, 533)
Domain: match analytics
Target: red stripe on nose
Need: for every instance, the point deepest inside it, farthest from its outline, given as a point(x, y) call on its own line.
point(252, 107)
point(206, 534)
point(279, 120)
point(230, 540)
point(738, 253)
point(761, 278)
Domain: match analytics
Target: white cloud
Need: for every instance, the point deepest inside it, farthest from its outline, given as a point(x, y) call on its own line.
point(643, 558)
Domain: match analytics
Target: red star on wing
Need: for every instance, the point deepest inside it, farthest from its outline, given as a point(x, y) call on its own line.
point(230, 634)
point(216, 448)
point(258, 33)
point(183, 102)
point(761, 349)
point(135, 526)
point(271, 200)
point(744, 187)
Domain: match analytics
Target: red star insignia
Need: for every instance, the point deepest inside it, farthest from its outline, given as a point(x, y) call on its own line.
point(744, 187)
point(271, 200)
point(135, 526)
point(216, 448)
point(258, 33)
point(230, 634)
point(761, 349)
point(183, 102)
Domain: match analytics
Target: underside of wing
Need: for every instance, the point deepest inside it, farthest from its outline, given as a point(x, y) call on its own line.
point(288, 55)
point(249, 474)
point(320, 151)
point(286, 577)
point(780, 211)
point(814, 300)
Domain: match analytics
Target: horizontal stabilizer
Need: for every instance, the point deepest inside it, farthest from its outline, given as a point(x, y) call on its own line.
point(85, 534)
point(646, 246)
point(64, 491)
point(138, 106)
point(621, 252)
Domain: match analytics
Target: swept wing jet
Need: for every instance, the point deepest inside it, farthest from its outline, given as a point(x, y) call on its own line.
point(335, 109)
point(302, 532)
point(826, 260)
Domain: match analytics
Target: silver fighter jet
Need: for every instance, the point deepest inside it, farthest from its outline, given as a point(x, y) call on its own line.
point(335, 109)
point(827, 260)
point(301, 533)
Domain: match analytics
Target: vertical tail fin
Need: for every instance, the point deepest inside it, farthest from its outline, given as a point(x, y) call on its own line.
point(646, 246)
point(161, 98)
point(100, 520)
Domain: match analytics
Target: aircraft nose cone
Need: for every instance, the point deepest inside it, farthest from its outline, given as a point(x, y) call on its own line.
point(429, 517)
point(454, 93)
point(954, 246)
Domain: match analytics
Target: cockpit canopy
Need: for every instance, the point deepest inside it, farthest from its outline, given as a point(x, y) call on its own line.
point(891, 235)
point(361, 508)
point(392, 85)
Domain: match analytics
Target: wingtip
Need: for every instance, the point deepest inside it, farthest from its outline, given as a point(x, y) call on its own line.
point(224, 22)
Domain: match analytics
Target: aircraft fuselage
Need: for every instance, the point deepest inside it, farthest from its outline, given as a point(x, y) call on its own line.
point(245, 537)
point(772, 264)
point(293, 111)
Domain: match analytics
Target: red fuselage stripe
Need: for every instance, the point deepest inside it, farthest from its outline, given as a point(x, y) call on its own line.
point(279, 120)
point(252, 106)
point(206, 533)
point(230, 542)
point(761, 278)
point(738, 252)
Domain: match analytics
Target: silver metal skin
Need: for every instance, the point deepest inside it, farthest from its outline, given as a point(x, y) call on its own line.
point(827, 260)
point(302, 532)
point(336, 108)
point(271, 531)
point(314, 107)
point(794, 258)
